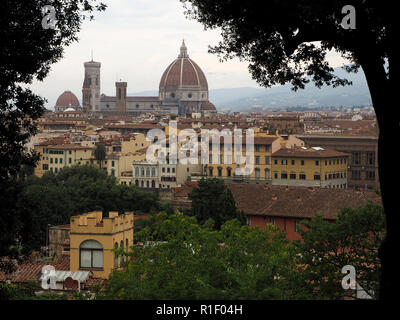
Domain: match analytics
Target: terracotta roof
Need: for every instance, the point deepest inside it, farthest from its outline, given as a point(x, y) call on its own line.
point(70, 146)
point(207, 105)
point(183, 72)
point(30, 270)
point(309, 153)
point(67, 99)
point(301, 202)
point(282, 201)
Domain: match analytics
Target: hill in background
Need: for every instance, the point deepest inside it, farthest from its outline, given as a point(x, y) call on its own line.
point(244, 98)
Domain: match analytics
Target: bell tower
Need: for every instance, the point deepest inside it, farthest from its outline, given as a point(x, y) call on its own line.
point(91, 87)
point(120, 104)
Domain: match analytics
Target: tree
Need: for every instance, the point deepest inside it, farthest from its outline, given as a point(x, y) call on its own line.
point(197, 262)
point(212, 199)
point(288, 43)
point(27, 52)
point(33, 203)
point(353, 240)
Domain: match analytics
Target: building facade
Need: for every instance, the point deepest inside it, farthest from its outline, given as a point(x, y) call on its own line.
point(363, 162)
point(93, 238)
point(310, 167)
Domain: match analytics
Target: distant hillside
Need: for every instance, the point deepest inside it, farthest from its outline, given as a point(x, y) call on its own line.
point(244, 98)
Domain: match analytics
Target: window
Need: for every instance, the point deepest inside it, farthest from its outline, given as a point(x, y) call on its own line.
point(293, 176)
point(147, 172)
point(317, 176)
point(275, 175)
point(69, 160)
point(55, 160)
point(302, 162)
point(219, 172)
point(284, 162)
point(283, 175)
point(267, 160)
point(55, 170)
point(257, 160)
point(229, 171)
point(257, 148)
point(293, 162)
point(112, 172)
point(51, 160)
point(356, 175)
point(121, 260)
point(275, 161)
point(370, 175)
point(45, 167)
point(153, 172)
point(211, 171)
point(257, 173)
point(356, 157)
point(273, 221)
point(91, 254)
point(136, 171)
point(112, 163)
point(116, 256)
point(370, 158)
point(317, 162)
point(302, 176)
point(267, 173)
point(61, 160)
point(267, 148)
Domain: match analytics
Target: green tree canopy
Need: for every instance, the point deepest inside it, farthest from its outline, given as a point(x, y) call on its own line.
point(212, 199)
point(197, 262)
point(35, 202)
point(353, 240)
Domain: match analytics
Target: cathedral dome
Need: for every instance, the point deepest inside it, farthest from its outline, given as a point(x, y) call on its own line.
point(67, 99)
point(183, 72)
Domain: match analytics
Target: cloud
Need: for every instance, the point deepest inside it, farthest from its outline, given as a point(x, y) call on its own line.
point(135, 40)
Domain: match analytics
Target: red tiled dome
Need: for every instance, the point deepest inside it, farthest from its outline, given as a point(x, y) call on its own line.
point(183, 72)
point(67, 99)
point(207, 105)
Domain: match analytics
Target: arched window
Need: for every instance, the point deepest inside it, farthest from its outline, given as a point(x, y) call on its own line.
point(137, 182)
point(116, 256)
point(219, 171)
point(147, 184)
point(147, 172)
point(153, 184)
point(142, 171)
point(91, 254)
point(122, 259)
point(229, 171)
point(136, 171)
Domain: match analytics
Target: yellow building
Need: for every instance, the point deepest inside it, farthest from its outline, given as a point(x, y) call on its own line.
point(223, 164)
point(93, 238)
point(43, 164)
point(310, 167)
point(68, 155)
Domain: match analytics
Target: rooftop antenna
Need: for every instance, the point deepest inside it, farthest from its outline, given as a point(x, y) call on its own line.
point(92, 54)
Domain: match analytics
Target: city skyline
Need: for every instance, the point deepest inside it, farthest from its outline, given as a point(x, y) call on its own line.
point(135, 41)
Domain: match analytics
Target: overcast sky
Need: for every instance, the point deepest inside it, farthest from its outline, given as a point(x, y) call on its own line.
point(135, 40)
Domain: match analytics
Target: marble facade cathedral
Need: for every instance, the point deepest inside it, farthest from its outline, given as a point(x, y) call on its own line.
point(183, 91)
